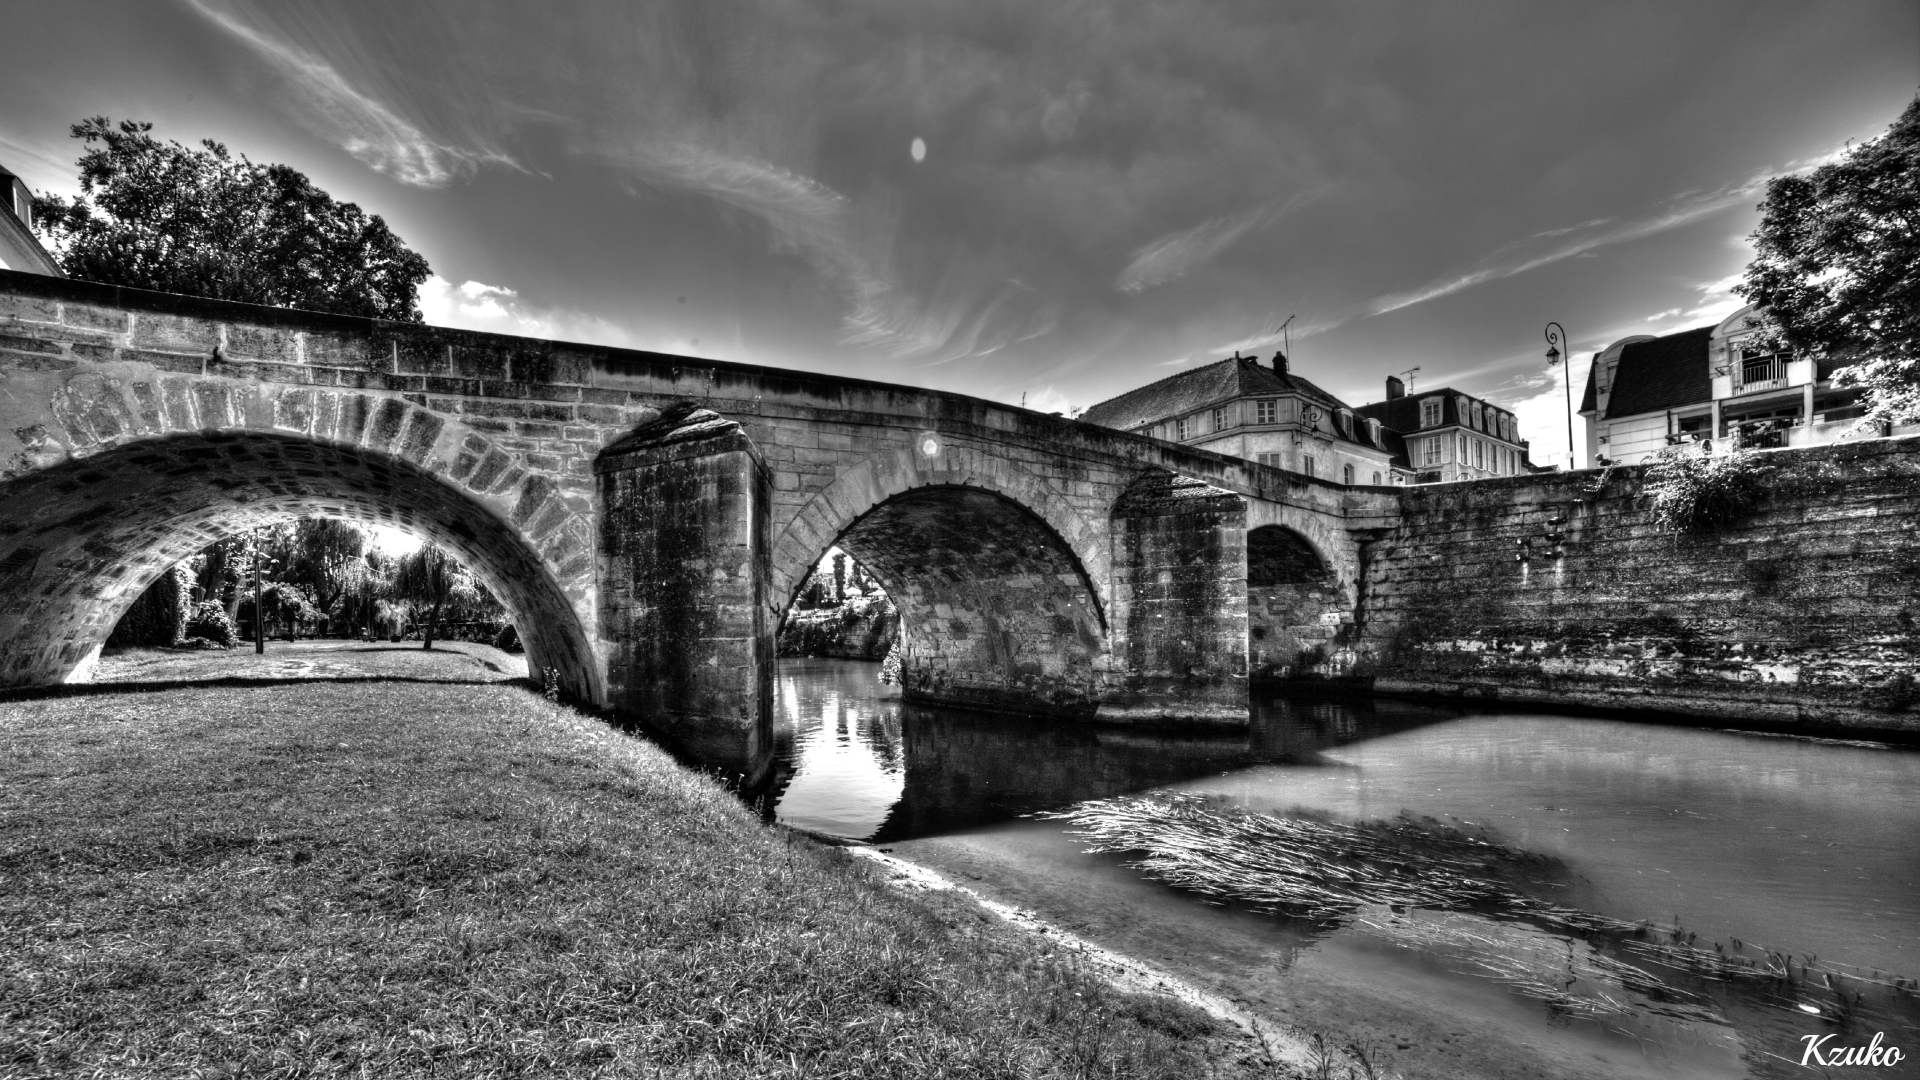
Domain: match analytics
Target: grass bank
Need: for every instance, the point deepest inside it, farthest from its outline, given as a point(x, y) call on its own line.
point(407, 878)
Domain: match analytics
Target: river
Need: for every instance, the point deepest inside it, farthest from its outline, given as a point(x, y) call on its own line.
point(1800, 857)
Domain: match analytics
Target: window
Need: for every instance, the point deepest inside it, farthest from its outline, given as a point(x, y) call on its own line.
point(1183, 428)
point(1430, 450)
point(1430, 413)
point(1376, 478)
point(1460, 449)
point(1479, 454)
point(1220, 419)
point(1346, 475)
point(1306, 465)
point(1264, 412)
point(1479, 417)
point(1270, 459)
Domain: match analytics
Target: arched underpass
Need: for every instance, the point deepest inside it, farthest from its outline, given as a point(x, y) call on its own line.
point(995, 610)
point(1289, 592)
point(84, 538)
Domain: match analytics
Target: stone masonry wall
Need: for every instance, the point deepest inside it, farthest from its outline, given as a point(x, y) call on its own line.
point(1801, 615)
point(1181, 581)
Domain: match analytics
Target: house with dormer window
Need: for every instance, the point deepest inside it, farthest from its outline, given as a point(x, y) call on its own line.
point(1710, 384)
point(19, 248)
point(1262, 412)
point(1449, 435)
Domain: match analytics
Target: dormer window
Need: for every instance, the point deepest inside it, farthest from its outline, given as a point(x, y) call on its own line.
point(1430, 413)
point(1479, 417)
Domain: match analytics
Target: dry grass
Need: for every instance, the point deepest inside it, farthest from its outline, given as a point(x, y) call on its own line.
point(407, 879)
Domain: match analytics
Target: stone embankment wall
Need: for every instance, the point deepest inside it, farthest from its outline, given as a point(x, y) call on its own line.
point(1799, 614)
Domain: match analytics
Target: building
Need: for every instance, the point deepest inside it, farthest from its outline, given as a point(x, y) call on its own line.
point(1448, 435)
point(1262, 412)
point(1647, 393)
point(19, 250)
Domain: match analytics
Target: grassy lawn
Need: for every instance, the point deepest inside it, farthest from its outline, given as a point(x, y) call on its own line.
point(399, 878)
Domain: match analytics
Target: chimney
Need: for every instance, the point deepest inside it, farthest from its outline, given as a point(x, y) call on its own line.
point(1395, 388)
point(1280, 363)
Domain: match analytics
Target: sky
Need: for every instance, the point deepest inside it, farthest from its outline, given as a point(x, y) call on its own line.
point(1041, 203)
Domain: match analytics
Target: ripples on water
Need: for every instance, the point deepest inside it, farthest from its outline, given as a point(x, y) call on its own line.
point(1810, 847)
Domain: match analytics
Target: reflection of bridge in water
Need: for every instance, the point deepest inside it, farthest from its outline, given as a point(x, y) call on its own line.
point(883, 769)
point(647, 518)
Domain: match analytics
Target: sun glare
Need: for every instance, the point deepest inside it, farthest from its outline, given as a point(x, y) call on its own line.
point(393, 542)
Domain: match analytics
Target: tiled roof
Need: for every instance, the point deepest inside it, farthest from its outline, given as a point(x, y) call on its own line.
point(1664, 373)
point(1403, 413)
point(1179, 394)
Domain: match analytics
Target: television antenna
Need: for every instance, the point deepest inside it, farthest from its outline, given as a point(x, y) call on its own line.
point(1286, 336)
point(1407, 377)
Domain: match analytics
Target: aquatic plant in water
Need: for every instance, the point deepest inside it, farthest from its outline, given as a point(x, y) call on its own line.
point(1385, 874)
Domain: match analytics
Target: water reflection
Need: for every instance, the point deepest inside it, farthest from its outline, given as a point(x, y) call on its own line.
point(859, 766)
point(1805, 846)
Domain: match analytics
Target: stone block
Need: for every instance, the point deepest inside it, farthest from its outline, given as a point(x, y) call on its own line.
point(89, 317)
point(270, 343)
point(174, 333)
point(342, 351)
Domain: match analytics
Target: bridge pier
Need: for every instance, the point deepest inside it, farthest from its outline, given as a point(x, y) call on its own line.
point(685, 542)
point(1180, 604)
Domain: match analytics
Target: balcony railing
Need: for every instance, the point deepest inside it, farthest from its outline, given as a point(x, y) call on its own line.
point(1767, 372)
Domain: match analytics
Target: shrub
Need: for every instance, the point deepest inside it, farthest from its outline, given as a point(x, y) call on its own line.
point(1699, 492)
point(158, 617)
point(209, 621)
point(890, 667)
point(508, 639)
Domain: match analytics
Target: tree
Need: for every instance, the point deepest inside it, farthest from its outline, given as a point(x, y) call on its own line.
point(1837, 268)
point(163, 216)
point(321, 556)
point(425, 578)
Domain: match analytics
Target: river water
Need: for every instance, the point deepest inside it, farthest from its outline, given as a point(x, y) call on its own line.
point(1797, 855)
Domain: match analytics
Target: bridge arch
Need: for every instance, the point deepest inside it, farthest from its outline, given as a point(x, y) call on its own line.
point(857, 490)
point(996, 609)
point(87, 535)
point(1294, 604)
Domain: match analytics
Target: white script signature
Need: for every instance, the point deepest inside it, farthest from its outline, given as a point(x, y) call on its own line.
point(1871, 1054)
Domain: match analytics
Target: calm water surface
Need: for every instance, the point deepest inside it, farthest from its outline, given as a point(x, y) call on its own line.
point(1809, 848)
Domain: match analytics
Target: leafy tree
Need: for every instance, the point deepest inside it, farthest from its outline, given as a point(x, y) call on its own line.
point(322, 554)
point(426, 578)
point(1838, 267)
point(163, 216)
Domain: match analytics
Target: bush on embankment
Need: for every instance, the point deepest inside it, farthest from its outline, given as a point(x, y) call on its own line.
point(404, 879)
point(864, 628)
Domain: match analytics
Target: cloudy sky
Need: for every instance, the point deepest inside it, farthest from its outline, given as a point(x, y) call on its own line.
point(1057, 201)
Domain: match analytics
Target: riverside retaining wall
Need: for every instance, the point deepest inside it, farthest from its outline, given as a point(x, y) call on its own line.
point(1800, 614)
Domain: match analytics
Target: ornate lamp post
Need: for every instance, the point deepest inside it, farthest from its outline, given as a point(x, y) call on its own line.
point(1556, 334)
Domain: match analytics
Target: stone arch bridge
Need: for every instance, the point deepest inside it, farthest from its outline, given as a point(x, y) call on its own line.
point(648, 518)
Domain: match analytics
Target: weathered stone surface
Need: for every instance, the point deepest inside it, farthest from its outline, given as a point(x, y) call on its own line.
point(1039, 564)
point(1800, 615)
point(1180, 555)
point(684, 533)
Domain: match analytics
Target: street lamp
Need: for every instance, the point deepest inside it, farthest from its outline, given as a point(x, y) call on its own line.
point(1556, 334)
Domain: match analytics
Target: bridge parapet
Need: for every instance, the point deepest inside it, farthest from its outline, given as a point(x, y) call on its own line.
point(998, 526)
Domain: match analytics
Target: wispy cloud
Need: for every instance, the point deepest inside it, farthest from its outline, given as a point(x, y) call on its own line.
point(1179, 253)
point(1677, 212)
point(496, 309)
point(360, 125)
